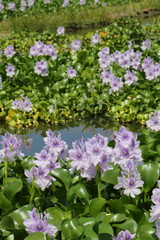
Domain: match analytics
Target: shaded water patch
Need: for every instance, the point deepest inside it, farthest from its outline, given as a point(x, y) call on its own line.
point(33, 138)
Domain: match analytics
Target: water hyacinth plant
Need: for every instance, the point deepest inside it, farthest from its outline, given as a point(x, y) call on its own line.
point(98, 188)
point(117, 77)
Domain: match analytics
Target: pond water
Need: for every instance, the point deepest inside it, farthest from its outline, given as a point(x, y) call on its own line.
point(33, 138)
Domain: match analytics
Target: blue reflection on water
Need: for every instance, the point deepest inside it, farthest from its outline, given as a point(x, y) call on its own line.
point(68, 135)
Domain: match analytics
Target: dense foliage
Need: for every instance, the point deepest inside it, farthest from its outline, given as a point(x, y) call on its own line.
point(96, 190)
point(100, 189)
point(31, 7)
point(58, 77)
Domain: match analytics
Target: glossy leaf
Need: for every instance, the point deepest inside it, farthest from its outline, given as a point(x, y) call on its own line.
point(5, 204)
point(20, 215)
point(71, 229)
point(7, 223)
point(96, 206)
point(105, 228)
point(11, 188)
point(149, 174)
point(36, 236)
point(129, 225)
point(119, 217)
point(28, 162)
point(63, 176)
point(88, 232)
point(110, 176)
point(146, 231)
point(80, 191)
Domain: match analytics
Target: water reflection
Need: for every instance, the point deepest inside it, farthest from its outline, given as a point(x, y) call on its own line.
point(33, 138)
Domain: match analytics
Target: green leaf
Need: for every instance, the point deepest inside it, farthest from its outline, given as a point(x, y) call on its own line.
point(71, 229)
point(5, 204)
point(10, 237)
point(11, 188)
point(80, 191)
point(129, 225)
point(105, 228)
point(117, 205)
point(110, 176)
point(63, 176)
point(58, 213)
point(96, 206)
point(146, 232)
point(87, 221)
point(28, 162)
point(88, 232)
point(119, 217)
point(132, 207)
point(7, 223)
point(145, 151)
point(36, 236)
point(20, 215)
point(158, 149)
point(149, 174)
point(76, 209)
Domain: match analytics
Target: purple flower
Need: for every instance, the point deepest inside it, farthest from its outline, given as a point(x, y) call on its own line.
point(116, 84)
point(154, 121)
point(104, 62)
point(147, 63)
point(30, 3)
point(23, 104)
point(11, 147)
point(86, 155)
point(104, 52)
point(155, 213)
point(39, 223)
point(40, 176)
point(1, 7)
point(72, 73)
point(82, 2)
point(1, 83)
point(11, 6)
point(96, 39)
point(22, 8)
point(27, 104)
point(60, 30)
point(76, 45)
point(65, 3)
point(107, 76)
point(126, 148)
point(130, 184)
point(23, 3)
point(41, 68)
point(31, 174)
point(130, 77)
point(157, 223)
point(51, 51)
point(41, 49)
point(47, 1)
point(55, 145)
point(124, 235)
point(146, 44)
point(10, 70)
point(124, 137)
point(42, 156)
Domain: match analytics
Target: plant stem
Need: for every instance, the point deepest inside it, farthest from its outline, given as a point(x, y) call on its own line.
point(5, 167)
point(63, 237)
point(98, 181)
point(32, 193)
